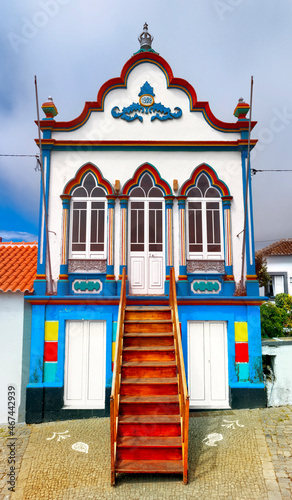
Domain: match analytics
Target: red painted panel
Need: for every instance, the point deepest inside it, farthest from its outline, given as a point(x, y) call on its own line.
point(51, 351)
point(241, 352)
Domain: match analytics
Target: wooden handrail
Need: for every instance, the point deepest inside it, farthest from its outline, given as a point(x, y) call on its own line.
point(114, 398)
point(183, 390)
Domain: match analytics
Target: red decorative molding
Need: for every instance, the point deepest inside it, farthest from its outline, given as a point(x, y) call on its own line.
point(211, 174)
point(146, 167)
point(89, 167)
point(172, 82)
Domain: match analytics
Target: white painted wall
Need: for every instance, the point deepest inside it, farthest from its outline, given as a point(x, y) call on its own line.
point(279, 391)
point(11, 328)
point(122, 164)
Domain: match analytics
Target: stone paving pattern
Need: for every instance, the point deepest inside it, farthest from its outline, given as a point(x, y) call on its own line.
point(252, 460)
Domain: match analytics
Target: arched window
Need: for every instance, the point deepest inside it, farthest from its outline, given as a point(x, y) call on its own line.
point(204, 209)
point(88, 220)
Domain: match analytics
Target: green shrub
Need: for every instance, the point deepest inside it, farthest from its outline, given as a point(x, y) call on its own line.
point(273, 320)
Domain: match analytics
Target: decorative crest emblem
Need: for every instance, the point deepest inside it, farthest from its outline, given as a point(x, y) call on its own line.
point(146, 105)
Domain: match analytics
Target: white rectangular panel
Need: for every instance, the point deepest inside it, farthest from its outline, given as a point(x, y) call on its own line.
point(156, 284)
point(196, 362)
point(96, 362)
point(218, 365)
point(74, 361)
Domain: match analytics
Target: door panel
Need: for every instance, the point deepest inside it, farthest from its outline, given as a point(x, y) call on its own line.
point(207, 364)
point(217, 362)
point(84, 381)
point(146, 247)
point(197, 363)
point(137, 266)
point(155, 273)
point(74, 371)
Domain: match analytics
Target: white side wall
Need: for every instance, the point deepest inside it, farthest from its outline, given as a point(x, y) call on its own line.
point(11, 331)
point(279, 390)
point(281, 264)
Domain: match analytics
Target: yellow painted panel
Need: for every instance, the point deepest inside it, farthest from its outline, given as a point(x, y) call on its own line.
point(241, 334)
point(51, 330)
point(113, 351)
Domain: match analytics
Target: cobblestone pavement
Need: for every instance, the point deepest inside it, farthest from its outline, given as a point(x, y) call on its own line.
point(235, 454)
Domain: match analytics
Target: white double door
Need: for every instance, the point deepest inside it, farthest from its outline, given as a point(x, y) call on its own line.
point(84, 384)
point(146, 246)
point(208, 364)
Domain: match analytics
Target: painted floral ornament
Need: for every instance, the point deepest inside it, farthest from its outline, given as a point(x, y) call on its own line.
point(83, 447)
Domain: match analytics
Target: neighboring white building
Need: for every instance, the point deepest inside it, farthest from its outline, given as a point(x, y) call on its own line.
point(279, 264)
point(277, 355)
point(18, 263)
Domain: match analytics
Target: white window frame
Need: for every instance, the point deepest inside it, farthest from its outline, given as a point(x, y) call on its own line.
point(88, 254)
point(205, 255)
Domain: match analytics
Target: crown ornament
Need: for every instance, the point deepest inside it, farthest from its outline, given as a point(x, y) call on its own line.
point(145, 38)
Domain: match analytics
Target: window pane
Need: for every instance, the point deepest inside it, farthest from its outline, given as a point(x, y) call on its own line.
point(79, 204)
point(216, 227)
point(80, 192)
point(214, 248)
point(195, 193)
point(75, 225)
point(146, 183)
point(196, 248)
point(199, 229)
point(137, 247)
point(93, 235)
point(89, 183)
point(137, 204)
point(155, 247)
point(97, 205)
point(191, 226)
point(141, 226)
point(78, 247)
point(138, 192)
point(101, 226)
point(98, 192)
point(151, 226)
point(209, 227)
point(155, 204)
point(212, 193)
point(159, 226)
point(155, 192)
point(203, 183)
point(82, 237)
point(133, 226)
point(97, 247)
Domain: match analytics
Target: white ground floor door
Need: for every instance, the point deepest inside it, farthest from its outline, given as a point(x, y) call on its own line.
point(84, 384)
point(208, 364)
point(146, 247)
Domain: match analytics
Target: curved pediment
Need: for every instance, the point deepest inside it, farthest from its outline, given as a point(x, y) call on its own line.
point(121, 82)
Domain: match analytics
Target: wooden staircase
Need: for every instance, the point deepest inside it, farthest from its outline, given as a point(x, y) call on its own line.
point(149, 401)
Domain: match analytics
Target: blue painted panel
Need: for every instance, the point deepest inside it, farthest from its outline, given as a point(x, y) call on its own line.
point(37, 345)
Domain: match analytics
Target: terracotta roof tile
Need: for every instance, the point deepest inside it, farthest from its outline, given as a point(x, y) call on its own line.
point(18, 265)
point(281, 247)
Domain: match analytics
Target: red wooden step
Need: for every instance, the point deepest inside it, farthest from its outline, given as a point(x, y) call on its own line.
point(149, 425)
point(148, 338)
point(160, 313)
point(149, 353)
point(149, 447)
point(150, 466)
point(150, 325)
point(151, 386)
point(149, 369)
point(149, 405)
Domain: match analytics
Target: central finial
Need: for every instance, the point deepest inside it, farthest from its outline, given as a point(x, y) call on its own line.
point(145, 38)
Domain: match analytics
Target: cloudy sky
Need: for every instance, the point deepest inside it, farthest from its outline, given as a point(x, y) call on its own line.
point(74, 47)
